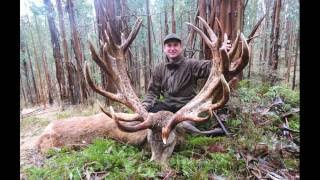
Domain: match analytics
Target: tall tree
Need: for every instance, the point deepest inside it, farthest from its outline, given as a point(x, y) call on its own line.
point(71, 81)
point(149, 41)
point(36, 59)
point(173, 19)
point(44, 63)
point(56, 49)
point(274, 36)
point(295, 60)
point(230, 15)
point(76, 44)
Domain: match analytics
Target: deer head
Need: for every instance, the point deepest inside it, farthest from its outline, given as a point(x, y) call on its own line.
point(165, 128)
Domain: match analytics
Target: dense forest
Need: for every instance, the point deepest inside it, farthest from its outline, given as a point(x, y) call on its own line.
point(54, 43)
point(55, 39)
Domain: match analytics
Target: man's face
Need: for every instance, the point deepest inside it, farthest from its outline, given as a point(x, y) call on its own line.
point(172, 49)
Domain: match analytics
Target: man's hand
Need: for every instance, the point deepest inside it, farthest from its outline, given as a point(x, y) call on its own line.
point(226, 44)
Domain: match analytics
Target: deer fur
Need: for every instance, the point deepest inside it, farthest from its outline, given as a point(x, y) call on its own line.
point(78, 131)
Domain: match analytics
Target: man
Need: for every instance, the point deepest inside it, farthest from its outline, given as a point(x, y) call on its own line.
point(175, 78)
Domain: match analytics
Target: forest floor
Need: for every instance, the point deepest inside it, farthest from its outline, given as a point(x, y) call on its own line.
point(265, 143)
point(32, 123)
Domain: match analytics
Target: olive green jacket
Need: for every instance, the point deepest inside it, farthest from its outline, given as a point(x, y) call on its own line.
point(176, 81)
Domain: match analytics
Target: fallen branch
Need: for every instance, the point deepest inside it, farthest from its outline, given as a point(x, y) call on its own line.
point(290, 113)
point(221, 124)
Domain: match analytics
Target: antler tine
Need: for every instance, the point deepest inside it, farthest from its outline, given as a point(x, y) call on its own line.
point(131, 128)
point(132, 35)
point(192, 129)
point(212, 35)
point(234, 47)
point(105, 65)
point(121, 116)
point(205, 38)
point(99, 90)
point(241, 62)
point(110, 41)
point(221, 32)
point(225, 95)
point(225, 60)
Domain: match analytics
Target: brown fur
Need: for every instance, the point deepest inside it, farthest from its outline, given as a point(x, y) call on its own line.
point(77, 131)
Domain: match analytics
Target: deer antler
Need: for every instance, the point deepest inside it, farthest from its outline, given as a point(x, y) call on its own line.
point(113, 63)
point(224, 68)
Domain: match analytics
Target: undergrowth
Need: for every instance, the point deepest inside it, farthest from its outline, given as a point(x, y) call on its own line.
point(197, 158)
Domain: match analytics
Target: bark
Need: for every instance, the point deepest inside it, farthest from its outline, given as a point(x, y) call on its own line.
point(295, 61)
point(274, 36)
point(166, 26)
point(230, 15)
point(265, 53)
point(173, 18)
point(287, 55)
point(193, 36)
point(23, 91)
point(144, 55)
point(70, 92)
point(77, 51)
point(149, 40)
point(203, 46)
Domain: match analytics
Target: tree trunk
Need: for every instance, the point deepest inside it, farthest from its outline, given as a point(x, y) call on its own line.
point(274, 36)
point(77, 51)
point(44, 64)
point(166, 26)
point(287, 56)
point(149, 41)
point(193, 36)
point(173, 18)
point(203, 46)
point(23, 91)
point(295, 61)
point(70, 92)
point(26, 74)
point(36, 59)
point(105, 12)
point(33, 78)
point(144, 55)
point(230, 15)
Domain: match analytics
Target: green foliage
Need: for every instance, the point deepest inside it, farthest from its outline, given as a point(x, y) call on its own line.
point(196, 141)
point(291, 163)
point(224, 164)
point(294, 122)
point(290, 97)
point(118, 160)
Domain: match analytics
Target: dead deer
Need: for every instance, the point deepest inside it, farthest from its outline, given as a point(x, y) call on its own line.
point(81, 131)
point(166, 129)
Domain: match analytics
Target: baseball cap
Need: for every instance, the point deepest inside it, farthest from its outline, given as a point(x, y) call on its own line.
point(170, 37)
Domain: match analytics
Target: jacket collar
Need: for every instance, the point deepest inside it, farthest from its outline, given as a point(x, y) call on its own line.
point(174, 63)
